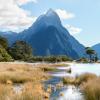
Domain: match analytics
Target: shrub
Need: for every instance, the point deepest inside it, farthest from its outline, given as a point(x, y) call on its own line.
point(51, 58)
point(37, 58)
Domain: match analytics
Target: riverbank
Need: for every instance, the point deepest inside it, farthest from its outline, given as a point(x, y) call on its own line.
point(22, 80)
point(49, 81)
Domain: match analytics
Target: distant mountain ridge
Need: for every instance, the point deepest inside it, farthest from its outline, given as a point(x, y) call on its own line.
point(47, 36)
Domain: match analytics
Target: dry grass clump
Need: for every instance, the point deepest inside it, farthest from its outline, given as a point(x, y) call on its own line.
point(30, 91)
point(21, 73)
point(84, 78)
point(5, 91)
point(91, 89)
point(15, 77)
point(68, 80)
point(48, 69)
point(79, 80)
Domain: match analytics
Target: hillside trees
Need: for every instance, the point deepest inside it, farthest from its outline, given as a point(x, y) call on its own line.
point(20, 50)
point(3, 42)
point(4, 56)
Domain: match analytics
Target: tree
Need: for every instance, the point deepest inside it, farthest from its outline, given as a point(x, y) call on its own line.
point(4, 56)
point(3, 42)
point(96, 57)
point(90, 52)
point(20, 50)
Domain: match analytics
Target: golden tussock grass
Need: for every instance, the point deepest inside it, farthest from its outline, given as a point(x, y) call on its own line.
point(79, 80)
point(20, 73)
point(91, 89)
point(31, 77)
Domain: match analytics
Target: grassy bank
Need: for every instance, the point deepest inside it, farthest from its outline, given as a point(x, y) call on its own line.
point(31, 78)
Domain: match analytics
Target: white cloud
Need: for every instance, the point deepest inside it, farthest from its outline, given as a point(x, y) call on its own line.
point(63, 14)
point(21, 2)
point(73, 30)
point(12, 17)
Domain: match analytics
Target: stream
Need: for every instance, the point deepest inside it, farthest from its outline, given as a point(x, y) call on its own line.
point(69, 92)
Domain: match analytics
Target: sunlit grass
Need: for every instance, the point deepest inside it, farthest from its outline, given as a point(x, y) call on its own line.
point(31, 77)
point(80, 79)
point(20, 73)
point(84, 78)
point(91, 89)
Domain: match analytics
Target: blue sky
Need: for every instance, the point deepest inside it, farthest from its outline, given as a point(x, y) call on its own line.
point(83, 21)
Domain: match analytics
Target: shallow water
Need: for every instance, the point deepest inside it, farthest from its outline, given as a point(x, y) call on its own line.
point(72, 92)
point(78, 69)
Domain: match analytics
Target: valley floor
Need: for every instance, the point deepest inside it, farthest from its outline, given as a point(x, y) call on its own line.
point(45, 81)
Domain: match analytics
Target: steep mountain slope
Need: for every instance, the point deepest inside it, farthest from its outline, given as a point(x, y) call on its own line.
point(97, 49)
point(47, 36)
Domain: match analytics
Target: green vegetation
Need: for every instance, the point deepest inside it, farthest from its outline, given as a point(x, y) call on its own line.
point(3, 42)
point(20, 50)
point(83, 60)
point(51, 58)
point(92, 54)
point(4, 56)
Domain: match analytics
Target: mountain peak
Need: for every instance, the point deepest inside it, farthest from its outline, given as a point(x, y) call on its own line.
point(51, 12)
point(52, 17)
